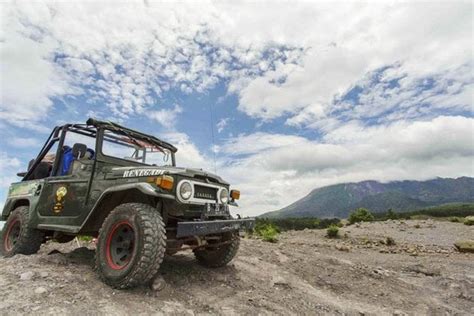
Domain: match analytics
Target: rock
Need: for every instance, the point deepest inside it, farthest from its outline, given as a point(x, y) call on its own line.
point(465, 245)
point(26, 276)
point(40, 290)
point(342, 248)
point(44, 274)
point(279, 281)
point(428, 271)
point(158, 284)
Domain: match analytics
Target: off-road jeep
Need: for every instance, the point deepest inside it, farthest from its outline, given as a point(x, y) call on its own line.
point(121, 186)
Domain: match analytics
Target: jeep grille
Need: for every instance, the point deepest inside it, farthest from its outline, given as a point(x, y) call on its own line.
point(202, 192)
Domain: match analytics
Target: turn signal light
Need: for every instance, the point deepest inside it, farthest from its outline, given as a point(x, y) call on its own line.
point(165, 182)
point(235, 194)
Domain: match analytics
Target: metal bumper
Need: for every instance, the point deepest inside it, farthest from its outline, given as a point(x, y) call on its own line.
point(201, 228)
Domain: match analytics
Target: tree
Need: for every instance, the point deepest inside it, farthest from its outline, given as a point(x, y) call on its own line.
point(360, 215)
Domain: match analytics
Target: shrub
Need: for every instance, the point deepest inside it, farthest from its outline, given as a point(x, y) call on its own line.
point(360, 215)
point(469, 220)
point(454, 219)
point(332, 231)
point(389, 241)
point(267, 232)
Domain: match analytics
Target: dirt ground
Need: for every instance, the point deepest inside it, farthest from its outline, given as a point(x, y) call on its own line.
point(305, 273)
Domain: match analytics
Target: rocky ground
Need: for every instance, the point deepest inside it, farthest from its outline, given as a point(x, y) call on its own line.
point(305, 273)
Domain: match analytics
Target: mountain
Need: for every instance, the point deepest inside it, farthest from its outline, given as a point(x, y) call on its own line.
point(338, 200)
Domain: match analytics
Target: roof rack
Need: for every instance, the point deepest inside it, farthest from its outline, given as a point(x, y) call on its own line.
point(130, 132)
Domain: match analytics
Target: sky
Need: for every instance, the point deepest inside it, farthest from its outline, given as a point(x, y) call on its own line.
point(278, 98)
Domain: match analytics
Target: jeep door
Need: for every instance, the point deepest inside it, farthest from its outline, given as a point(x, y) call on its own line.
point(63, 204)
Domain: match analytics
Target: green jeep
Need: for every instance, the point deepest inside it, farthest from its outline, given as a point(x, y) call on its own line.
point(121, 186)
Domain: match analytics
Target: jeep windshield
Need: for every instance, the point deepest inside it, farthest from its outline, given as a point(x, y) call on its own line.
point(124, 146)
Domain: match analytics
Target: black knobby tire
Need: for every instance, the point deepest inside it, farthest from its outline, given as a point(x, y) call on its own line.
point(18, 237)
point(215, 257)
point(131, 245)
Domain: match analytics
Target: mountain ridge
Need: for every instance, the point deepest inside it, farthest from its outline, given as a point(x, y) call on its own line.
point(406, 195)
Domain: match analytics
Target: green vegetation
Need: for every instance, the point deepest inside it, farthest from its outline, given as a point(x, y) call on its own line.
point(269, 228)
point(284, 224)
point(332, 231)
point(447, 210)
point(469, 220)
point(268, 232)
point(389, 241)
point(360, 215)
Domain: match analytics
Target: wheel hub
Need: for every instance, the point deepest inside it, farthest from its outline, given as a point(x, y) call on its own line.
point(12, 235)
point(120, 245)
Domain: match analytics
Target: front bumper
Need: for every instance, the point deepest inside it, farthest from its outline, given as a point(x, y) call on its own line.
point(201, 228)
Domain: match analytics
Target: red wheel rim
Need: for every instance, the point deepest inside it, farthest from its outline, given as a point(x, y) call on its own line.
point(12, 235)
point(120, 245)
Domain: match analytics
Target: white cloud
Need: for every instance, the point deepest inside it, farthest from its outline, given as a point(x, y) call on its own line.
point(9, 166)
point(166, 117)
point(285, 168)
point(222, 124)
point(21, 142)
point(371, 37)
point(188, 154)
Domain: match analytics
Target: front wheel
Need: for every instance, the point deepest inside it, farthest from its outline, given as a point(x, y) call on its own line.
point(131, 245)
point(219, 255)
point(18, 237)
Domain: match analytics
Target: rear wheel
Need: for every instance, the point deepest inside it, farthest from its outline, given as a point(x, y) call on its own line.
point(219, 256)
point(131, 245)
point(17, 237)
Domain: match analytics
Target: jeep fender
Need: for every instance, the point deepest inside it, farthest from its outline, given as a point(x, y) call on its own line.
point(13, 203)
point(143, 187)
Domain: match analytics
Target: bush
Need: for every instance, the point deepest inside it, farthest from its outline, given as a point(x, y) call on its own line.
point(332, 231)
point(360, 215)
point(469, 221)
point(300, 223)
point(389, 241)
point(454, 219)
point(267, 232)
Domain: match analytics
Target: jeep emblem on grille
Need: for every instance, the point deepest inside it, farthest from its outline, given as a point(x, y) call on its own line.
point(204, 195)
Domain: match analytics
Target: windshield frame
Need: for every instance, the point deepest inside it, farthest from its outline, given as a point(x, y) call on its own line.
point(122, 161)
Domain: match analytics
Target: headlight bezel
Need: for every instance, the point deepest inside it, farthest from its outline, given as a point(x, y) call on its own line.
point(190, 191)
point(224, 195)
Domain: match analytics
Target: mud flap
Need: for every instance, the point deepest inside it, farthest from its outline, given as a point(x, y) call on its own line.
point(201, 228)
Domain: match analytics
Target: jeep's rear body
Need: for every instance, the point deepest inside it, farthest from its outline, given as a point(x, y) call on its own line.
point(78, 202)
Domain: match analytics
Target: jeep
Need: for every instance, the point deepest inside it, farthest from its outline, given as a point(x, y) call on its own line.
point(123, 187)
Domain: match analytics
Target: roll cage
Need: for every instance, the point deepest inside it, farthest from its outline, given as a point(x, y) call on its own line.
point(94, 129)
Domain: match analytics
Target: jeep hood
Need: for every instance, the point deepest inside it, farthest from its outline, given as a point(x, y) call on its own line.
point(149, 171)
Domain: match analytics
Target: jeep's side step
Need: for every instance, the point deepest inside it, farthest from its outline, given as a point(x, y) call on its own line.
point(61, 228)
point(186, 229)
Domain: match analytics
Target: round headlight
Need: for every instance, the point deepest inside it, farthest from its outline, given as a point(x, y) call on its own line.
point(185, 190)
point(224, 196)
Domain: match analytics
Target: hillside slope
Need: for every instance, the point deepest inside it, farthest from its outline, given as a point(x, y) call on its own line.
point(338, 200)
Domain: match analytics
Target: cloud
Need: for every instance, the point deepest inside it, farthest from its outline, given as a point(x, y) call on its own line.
point(283, 168)
point(404, 67)
point(222, 124)
point(123, 56)
point(21, 142)
point(166, 117)
point(188, 154)
point(8, 167)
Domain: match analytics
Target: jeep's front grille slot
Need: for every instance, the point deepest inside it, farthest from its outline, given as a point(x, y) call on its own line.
point(206, 193)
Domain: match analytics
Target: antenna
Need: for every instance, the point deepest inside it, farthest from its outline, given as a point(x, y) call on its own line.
point(212, 134)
